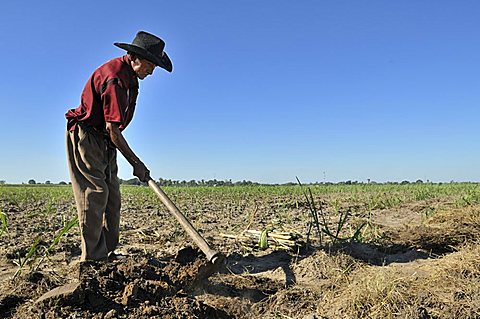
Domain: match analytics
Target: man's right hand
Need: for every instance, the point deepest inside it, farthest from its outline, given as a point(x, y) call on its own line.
point(141, 171)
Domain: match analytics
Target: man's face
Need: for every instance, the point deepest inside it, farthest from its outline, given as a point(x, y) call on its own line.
point(142, 67)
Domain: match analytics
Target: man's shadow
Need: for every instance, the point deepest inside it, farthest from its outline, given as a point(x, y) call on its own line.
point(250, 264)
point(254, 288)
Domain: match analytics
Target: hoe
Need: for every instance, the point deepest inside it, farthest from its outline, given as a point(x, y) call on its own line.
point(215, 258)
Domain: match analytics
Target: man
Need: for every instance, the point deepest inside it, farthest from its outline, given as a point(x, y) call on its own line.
point(94, 133)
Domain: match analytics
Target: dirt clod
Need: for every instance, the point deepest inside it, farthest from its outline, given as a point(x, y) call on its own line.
point(128, 288)
point(129, 293)
point(71, 293)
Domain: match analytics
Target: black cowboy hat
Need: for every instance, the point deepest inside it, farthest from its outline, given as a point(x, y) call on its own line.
point(149, 47)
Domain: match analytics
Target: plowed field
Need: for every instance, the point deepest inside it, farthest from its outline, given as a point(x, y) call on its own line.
point(384, 251)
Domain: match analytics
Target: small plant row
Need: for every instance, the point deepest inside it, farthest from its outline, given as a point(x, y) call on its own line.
point(34, 258)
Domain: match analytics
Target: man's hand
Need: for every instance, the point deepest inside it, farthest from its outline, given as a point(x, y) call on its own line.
point(141, 171)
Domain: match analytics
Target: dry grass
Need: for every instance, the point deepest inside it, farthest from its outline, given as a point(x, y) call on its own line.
point(447, 287)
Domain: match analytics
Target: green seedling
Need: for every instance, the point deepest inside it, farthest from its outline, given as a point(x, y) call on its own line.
point(357, 236)
point(30, 255)
point(66, 228)
point(313, 213)
point(323, 226)
point(4, 223)
point(263, 241)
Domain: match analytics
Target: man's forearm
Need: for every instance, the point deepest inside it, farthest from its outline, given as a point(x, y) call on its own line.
point(139, 169)
point(119, 141)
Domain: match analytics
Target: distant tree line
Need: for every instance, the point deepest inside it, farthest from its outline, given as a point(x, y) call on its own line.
point(215, 182)
point(191, 183)
point(33, 182)
point(349, 182)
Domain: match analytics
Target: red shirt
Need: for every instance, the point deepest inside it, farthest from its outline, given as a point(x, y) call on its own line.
point(110, 95)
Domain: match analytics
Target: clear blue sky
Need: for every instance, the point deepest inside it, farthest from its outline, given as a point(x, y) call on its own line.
point(261, 90)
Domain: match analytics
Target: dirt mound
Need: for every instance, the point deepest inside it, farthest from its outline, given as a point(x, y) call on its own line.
point(139, 287)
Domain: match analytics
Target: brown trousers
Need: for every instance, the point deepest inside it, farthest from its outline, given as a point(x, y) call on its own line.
point(93, 172)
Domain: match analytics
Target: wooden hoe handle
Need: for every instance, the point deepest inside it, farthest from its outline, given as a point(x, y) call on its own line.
point(211, 254)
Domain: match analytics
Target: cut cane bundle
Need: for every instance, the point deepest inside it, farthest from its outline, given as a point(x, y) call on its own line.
point(272, 239)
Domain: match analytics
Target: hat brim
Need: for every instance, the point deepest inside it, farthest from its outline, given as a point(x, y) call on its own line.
point(163, 61)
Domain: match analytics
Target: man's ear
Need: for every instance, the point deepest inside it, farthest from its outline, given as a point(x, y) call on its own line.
point(133, 57)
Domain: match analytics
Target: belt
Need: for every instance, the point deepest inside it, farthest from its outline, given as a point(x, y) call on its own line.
point(92, 129)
